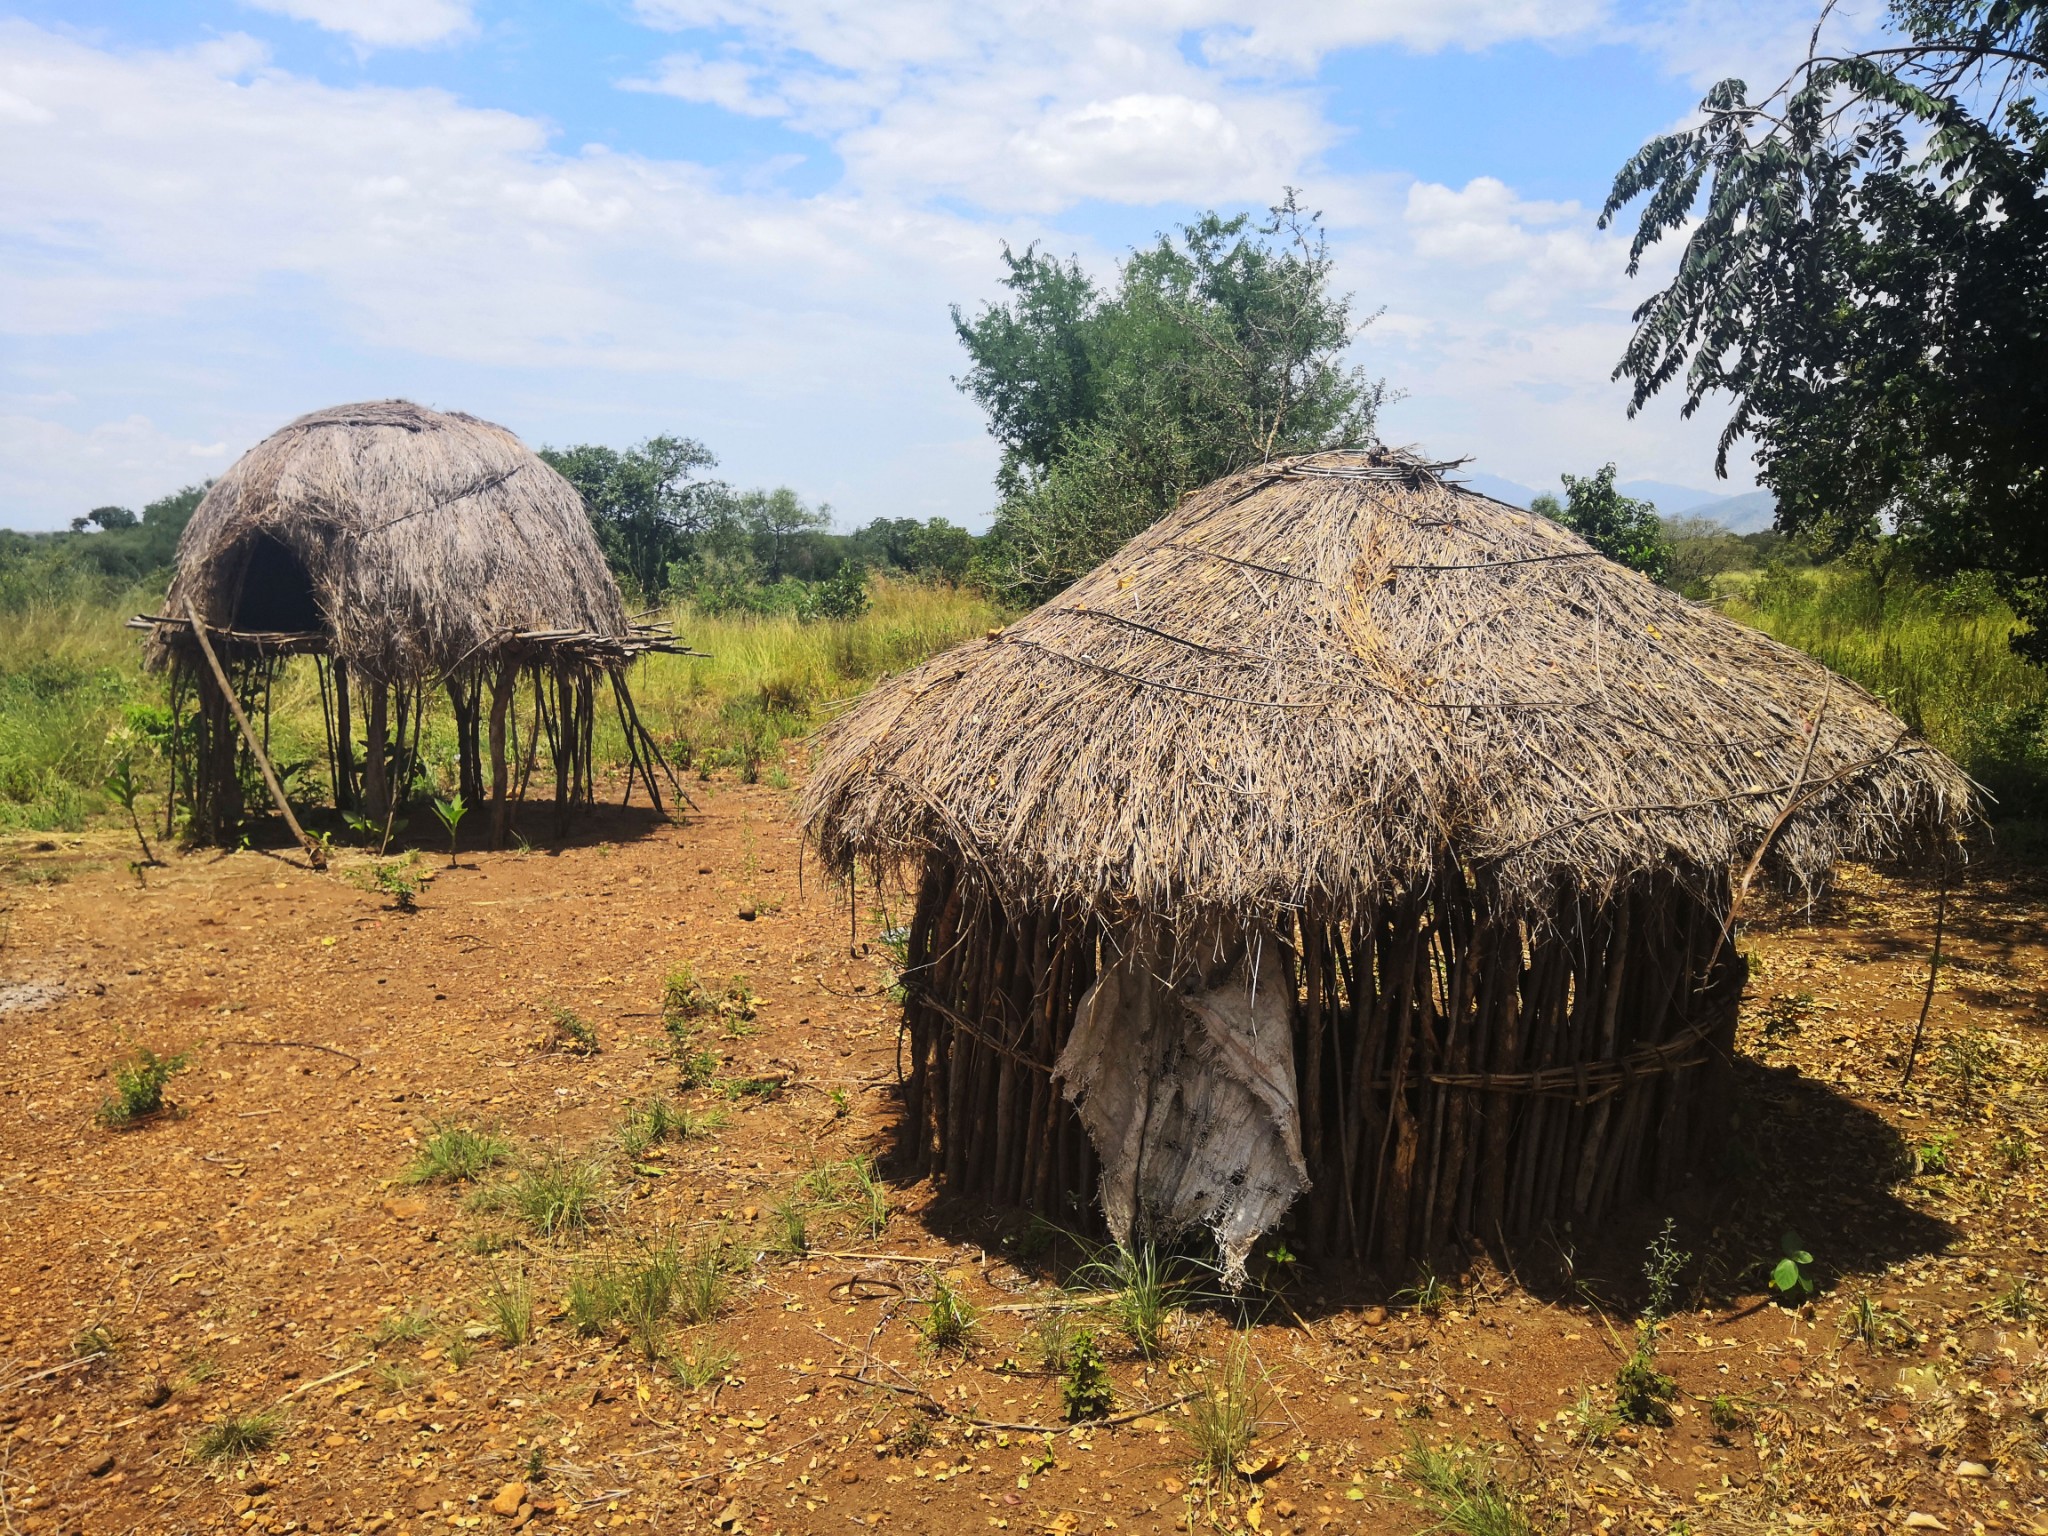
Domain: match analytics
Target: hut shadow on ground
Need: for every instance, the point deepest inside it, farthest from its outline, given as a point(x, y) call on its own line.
point(589, 827)
point(1798, 1155)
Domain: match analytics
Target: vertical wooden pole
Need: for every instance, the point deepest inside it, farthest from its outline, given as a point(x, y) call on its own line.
point(501, 698)
point(376, 762)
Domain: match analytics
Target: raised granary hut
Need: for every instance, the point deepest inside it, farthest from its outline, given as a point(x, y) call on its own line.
point(1353, 839)
point(407, 552)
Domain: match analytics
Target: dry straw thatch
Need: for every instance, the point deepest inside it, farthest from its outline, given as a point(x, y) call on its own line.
point(1474, 802)
point(405, 549)
point(1319, 678)
point(427, 539)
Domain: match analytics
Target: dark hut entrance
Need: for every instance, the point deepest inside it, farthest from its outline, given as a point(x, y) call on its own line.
point(275, 594)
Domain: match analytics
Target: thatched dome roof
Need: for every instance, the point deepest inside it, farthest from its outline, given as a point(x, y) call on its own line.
point(1326, 677)
point(419, 540)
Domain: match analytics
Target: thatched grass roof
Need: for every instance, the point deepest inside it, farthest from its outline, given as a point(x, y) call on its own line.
point(1328, 676)
point(428, 537)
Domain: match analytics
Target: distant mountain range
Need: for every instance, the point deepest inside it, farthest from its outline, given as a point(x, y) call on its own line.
point(1749, 512)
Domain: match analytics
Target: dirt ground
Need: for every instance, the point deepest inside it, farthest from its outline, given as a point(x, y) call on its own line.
point(258, 1256)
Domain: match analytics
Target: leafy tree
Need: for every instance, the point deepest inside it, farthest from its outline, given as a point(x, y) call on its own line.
point(776, 521)
point(648, 505)
point(1865, 276)
point(1218, 348)
point(106, 519)
point(1620, 527)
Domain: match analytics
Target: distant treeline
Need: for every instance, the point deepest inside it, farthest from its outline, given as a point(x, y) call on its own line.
point(668, 530)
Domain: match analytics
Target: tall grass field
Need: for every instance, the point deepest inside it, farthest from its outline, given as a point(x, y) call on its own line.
point(73, 695)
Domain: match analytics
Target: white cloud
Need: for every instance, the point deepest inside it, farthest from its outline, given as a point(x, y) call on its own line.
point(380, 23)
point(723, 83)
point(252, 243)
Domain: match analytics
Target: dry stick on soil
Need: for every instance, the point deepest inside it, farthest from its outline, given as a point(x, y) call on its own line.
point(314, 852)
point(299, 1045)
point(1933, 967)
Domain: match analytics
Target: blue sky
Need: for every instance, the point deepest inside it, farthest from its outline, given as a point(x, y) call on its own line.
point(744, 220)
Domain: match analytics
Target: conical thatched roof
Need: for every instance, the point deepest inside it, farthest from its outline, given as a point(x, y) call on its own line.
point(1326, 677)
point(427, 538)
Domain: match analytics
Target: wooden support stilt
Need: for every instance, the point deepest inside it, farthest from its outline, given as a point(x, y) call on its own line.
point(314, 852)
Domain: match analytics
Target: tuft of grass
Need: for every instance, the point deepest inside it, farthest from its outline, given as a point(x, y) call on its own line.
point(96, 1340)
point(1593, 1421)
point(397, 1376)
point(852, 1188)
point(139, 1083)
point(1051, 1341)
point(1875, 1327)
point(703, 1364)
point(790, 1228)
point(508, 1308)
point(650, 1124)
point(238, 1436)
point(456, 1154)
point(1146, 1291)
point(702, 1284)
point(1224, 1421)
point(557, 1197)
point(407, 1327)
point(948, 1321)
point(1462, 1491)
point(1427, 1296)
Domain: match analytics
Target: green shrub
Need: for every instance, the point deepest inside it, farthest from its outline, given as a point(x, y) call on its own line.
point(139, 1085)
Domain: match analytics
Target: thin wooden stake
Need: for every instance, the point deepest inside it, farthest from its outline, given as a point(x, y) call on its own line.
point(314, 852)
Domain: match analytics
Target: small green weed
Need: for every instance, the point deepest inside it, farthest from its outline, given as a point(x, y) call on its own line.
point(699, 1367)
point(1084, 1381)
point(852, 1188)
point(1874, 1326)
point(1052, 1341)
point(1461, 1491)
point(1145, 1293)
point(702, 1286)
point(1642, 1393)
point(948, 1322)
point(449, 813)
point(1427, 1296)
point(2015, 1153)
point(139, 1083)
point(789, 1228)
point(95, 1340)
point(1792, 1275)
point(2016, 1303)
point(398, 879)
point(396, 1376)
point(1726, 1413)
point(508, 1308)
point(1593, 1420)
point(571, 1032)
point(238, 1436)
point(456, 1154)
point(407, 1327)
point(1786, 1013)
point(557, 1197)
point(1224, 1421)
point(650, 1124)
point(1968, 1061)
point(697, 1069)
point(1936, 1155)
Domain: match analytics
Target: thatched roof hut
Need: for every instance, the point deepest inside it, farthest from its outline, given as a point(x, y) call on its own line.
point(408, 549)
point(1408, 788)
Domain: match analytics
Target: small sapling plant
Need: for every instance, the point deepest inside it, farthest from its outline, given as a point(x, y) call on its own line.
point(139, 1088)
point(449, 813)
point(1084, 1387)
point(1642, 1393)
point(123, 790)
point(1792, 1275)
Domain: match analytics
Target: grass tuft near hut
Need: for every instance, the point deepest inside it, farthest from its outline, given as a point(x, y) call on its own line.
point(1348, 836)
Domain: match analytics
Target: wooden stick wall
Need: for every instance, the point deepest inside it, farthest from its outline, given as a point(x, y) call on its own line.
point(1458, 1074)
